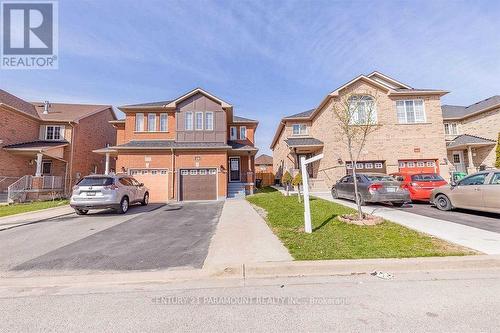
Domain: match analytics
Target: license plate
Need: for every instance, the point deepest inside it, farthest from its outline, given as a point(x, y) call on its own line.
point(91, 194)
point(391, 189)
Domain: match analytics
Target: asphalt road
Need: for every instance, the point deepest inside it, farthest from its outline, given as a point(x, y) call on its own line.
point(446, 301)
point(168, 236)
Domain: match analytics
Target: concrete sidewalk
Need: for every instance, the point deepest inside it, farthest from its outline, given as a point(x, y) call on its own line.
point(477, 239)
point(242, 236)
point(34, 216)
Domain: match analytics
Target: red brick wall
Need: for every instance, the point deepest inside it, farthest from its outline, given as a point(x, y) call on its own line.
point(131, 134)
point(16, 128)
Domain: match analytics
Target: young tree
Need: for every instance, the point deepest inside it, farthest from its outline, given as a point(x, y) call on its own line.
point(357, 119)
point(297, 181)
point(286, 180)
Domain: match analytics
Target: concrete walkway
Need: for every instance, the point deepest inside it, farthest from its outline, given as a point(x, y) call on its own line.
point(34, 216)
point(242, 236)
point(477, 239)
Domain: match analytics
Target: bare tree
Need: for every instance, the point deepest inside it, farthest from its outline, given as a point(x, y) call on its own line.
point(357, 119)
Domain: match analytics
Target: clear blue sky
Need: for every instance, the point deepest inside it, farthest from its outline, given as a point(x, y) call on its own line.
point(267, 58)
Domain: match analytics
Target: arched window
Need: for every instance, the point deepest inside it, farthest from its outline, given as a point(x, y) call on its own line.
point(362, 110)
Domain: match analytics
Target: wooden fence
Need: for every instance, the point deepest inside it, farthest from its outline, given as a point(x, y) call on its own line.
point(267, 178)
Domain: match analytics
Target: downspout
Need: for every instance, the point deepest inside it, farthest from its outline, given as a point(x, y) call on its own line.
point(72, 152)
point(173, 173)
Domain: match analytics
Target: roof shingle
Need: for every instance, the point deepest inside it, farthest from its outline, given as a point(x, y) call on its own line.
point(466, 139)
point(296, 142)
point(457, 111)
point(264, 160)
point(17, 103)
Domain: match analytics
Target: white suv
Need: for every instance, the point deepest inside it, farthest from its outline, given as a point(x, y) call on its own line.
point(108, 191)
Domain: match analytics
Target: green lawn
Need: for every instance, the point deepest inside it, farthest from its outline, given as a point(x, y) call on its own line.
point(332, 239)
point(29, 207)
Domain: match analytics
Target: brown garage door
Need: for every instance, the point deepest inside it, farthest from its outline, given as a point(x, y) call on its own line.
point(155, 180)
point(198, 184)
point(367, 166)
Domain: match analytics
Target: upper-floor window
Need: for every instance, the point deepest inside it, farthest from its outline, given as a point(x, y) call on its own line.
point(188, 121)
point(410, 111)
point(450, 129)
point(151, 122)
point(243, 133)
point(233, 133)
point(199, 121)
point(54, 132)
point(139, 122)
point(299, 129)
point(362, 110)
point(163, 122)
point(209, 121)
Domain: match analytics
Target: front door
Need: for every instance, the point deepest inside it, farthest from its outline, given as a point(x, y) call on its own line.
point(458, 161)
point(234, 169)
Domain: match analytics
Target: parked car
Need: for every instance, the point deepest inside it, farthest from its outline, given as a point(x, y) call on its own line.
point(372, 187)
point(479, 191)
point(108, 191)
point(420, 185)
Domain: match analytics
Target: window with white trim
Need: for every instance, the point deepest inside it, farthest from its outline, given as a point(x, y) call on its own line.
point(359, 165)
point(184, 172)
point(54, 132)
point(450, 129)
point(411, 164)
point(203, 172)
point(163, 172)
point(151, 122)
point(209, 121)
point(402, 164)
point(348, 166)
point(420, 164)
point(233, 133)
point(163, 122)
point(430, 164)
point(139, 122)
point(188, 121)
point(379, 165)
point(368, 165)
point(243, 133)
point(299, 129)
point(212, 171)
point(198, 121)
point(193, 172)
point(362, 110)
point(410, 111)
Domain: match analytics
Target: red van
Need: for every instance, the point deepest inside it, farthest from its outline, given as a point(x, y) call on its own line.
point(420, 185)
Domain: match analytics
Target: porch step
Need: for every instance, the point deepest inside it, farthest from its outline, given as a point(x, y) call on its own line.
point(318, 185)
point(236, 190)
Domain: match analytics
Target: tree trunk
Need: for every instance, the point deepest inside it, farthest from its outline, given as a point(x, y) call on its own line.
point(356, 196)
point(298, 188)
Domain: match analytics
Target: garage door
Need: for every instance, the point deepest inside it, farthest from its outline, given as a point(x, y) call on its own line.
point(367, 166)
point(198, 184)
point(156, 180)
point(418, 166)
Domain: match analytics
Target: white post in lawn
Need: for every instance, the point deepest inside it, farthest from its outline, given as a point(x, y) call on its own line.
point(305, 182)
point(106, 170)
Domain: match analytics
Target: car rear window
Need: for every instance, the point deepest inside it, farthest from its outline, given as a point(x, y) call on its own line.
point(96, 181)
point(427, 177)
point(380, 178)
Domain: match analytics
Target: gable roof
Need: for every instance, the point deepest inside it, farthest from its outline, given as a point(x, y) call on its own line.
point(458, 112)
point(264, 159)
point(303, 114)
point(238, 119)
point(18, 104)
point(467, 139)
point(70, 112)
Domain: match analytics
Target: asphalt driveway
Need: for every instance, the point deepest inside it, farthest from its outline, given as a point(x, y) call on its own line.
point(170, 236)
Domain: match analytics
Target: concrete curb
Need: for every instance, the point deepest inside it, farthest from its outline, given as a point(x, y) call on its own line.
point(33, 211)
point(256, 271)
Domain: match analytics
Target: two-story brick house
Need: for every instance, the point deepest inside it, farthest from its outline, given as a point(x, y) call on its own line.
point(472, 134)
point(49, 145)
point(189, 148)
point(410, 135)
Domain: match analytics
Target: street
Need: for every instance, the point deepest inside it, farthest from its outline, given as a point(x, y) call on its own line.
point(439, 301)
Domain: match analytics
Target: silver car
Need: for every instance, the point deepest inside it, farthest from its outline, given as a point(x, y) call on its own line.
point(108, 191)
point(372, 187)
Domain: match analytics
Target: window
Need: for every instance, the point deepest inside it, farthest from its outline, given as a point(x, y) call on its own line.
point(188, 121)
point(359, 165)
point(54, 133)
point(379, 165)
point(212, 171)
point(420, 164)
point(450, 129)
point(495, 180)
point(163, 122)
point(184, 172)
point(299, 129)
point(402, 164)
point(410, 112)
point(456, 158)
point(163, 172)
point(243, 133)
point(430, 164)
point(474, 180)
point(96, 181)
point(154, 172)
point(46, 167)
point(209, 121)
point(233, 133)
point(151, 122)
point(203, 172)
point(199, 121)
point(368, 165)
point(427, 177)
point(411, 164)
point(145, 172)
point(139, 122)
point(193, 172)
point(348, 166)
point(362, 110)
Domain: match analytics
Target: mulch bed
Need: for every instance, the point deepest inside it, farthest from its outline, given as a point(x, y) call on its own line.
point(367, 219)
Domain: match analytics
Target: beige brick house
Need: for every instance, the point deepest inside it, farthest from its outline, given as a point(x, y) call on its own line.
point(46, 147)
point(411, 134)
point(472, 134)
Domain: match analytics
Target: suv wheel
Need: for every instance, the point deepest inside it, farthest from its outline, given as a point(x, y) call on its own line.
point(81, 211)
point(442, 202)
point(335, 195)
point(145, 200)
point(123, 206)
